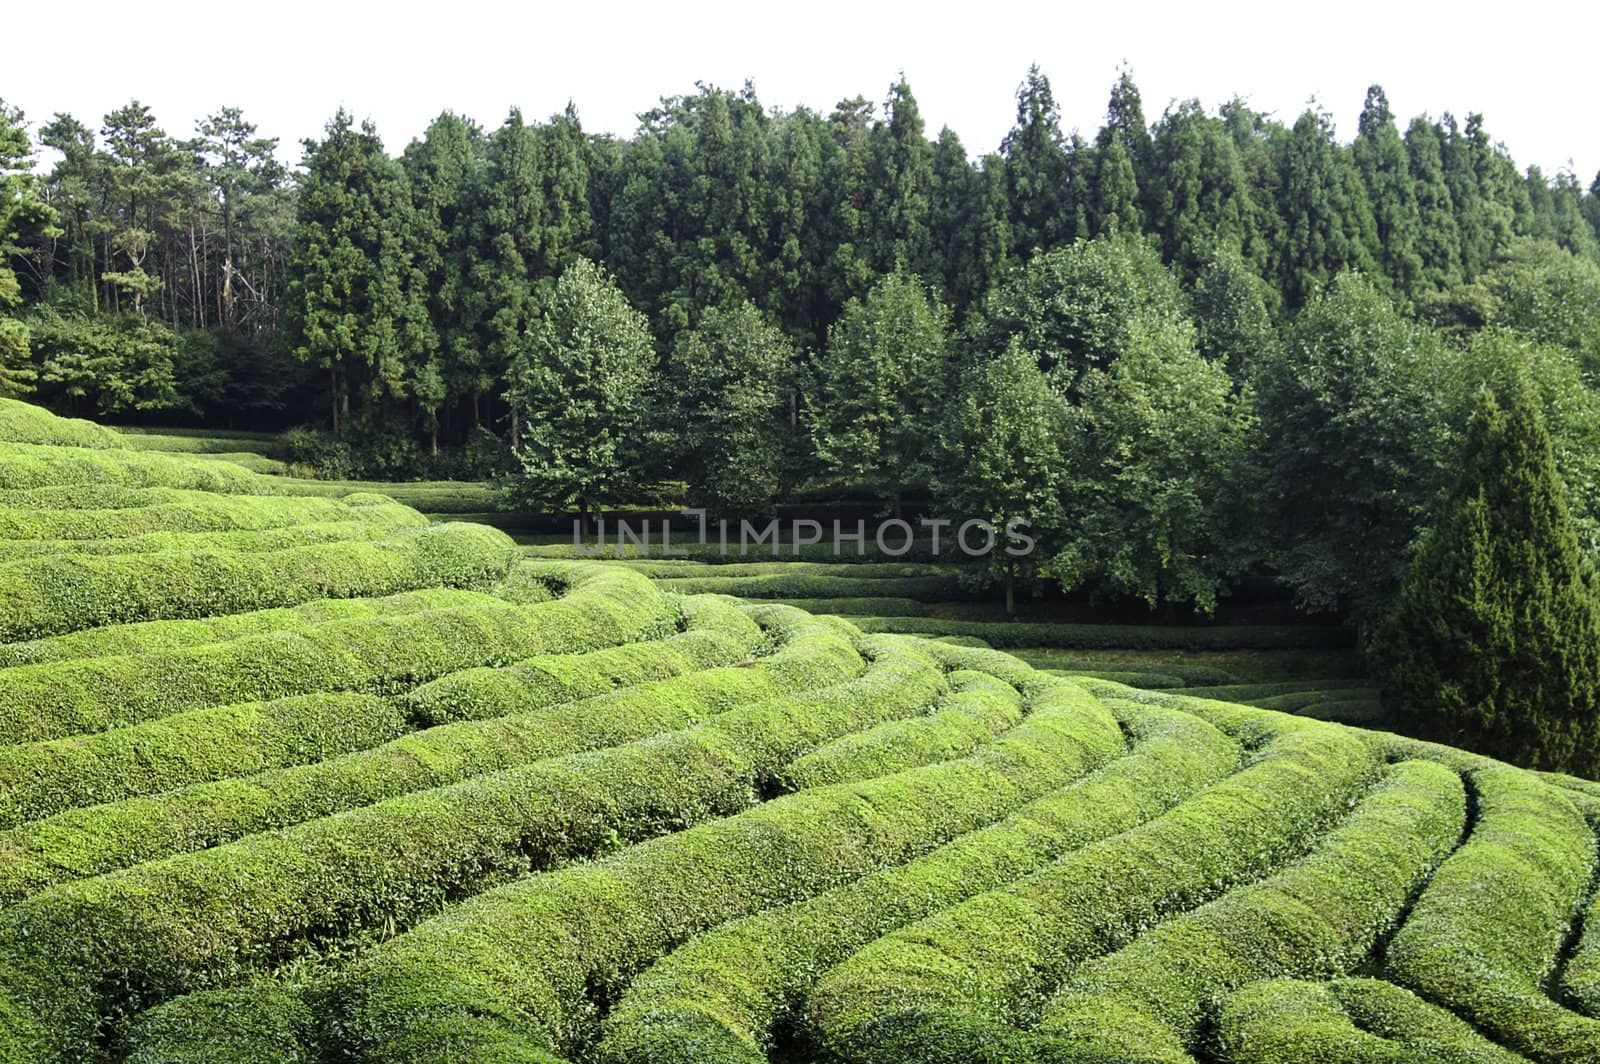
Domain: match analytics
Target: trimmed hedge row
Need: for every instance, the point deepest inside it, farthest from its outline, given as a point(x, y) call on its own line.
point(142, 512)
point(943, 988)
point(1152, 681)
point(40, 779)
point(89, 950)
point(429, 496)
point(1192, 674)
point(367, 523)
point(150, 637)
point(374, 655)
point(1487, 931)
point(787, 586)
point(25, 465)
point(25, 423)
point(85, 842)
point(49, 596)
point(524, 964)
point(719, 998)
point(258, 1024)
point(1319, 917)
point(1119, 636)
point(859, 607)
point(1300, 701)
point(672, 568)
point(717, 632)
point(1250, 694)
point(978, 708)
point(256, 463)
point(1346, 1021)
point(201, 441)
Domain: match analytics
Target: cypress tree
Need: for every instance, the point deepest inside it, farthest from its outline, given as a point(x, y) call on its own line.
point(1494, 640)
point(1380, 156)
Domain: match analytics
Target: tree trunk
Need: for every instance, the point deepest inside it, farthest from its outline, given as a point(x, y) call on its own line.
point(333, 385)
point(1011, 591)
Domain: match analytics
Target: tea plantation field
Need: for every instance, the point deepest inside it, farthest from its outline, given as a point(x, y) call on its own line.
point(294, 777)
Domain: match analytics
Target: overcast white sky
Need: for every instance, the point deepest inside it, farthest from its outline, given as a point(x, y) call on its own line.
point(1530, 68)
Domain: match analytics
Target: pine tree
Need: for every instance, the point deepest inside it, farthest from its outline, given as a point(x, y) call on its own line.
point(1328, 225)
point(1380, 156)
point(1036, 169)
point(347, 307)
point(1438, 241)
point(1494, 641)
point(22, 214)
point(1202, 201)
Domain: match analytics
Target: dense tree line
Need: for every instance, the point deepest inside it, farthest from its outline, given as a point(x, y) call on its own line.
point(1182, 349)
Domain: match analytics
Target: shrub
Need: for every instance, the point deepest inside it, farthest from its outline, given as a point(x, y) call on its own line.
point(859, 606)
point(978, 707)
point(1346, 1021)
point(149, 637)
point(48, 596)
point(139, 936)
point(1317, 918)
point(370, 523)
point(529, 959)
point(25, 423)
point(27, 466)
point(261, 1024)
point(123, 513)
point(1118, 636)
point(783, 585)
point(104, 838)
point(723, 995)
point(1486, 932)
point(376, 655)
point(938, 989)
point(38, 779)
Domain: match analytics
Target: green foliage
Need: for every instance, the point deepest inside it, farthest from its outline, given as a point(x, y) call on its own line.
point(1494, 640)
point(1356, 441)
point(1345, 1021)
point(1485, 933)
point(592, 927)
point(998, 458)
point(724, 404)
point(1320, 916)
point(887, 363)
point(941, 988)
point(726, 993)
point(580, 383)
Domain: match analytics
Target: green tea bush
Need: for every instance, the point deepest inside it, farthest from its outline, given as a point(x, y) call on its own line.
point(723, 995)
point(1320, 917)
point(1118, 636)
point(381, 654)
point(148, 637)
point(136, 937)
point(1486, 932)
point(977, 708)
point(25, 423)
point(1346, 1021)
point(258, 1024)
point(48, 596)
point(79, 843)
point(661, 569)
point(370, 523)
point(785, 586)
point(529, 959)
point(39, 779)
point(939, 989)
point(140, 512)
point(717, 633)
point(25, 465)
point(859, 607)
point(201, 441)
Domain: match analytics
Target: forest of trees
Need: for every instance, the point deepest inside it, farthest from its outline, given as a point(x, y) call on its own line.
point(1240, 345)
